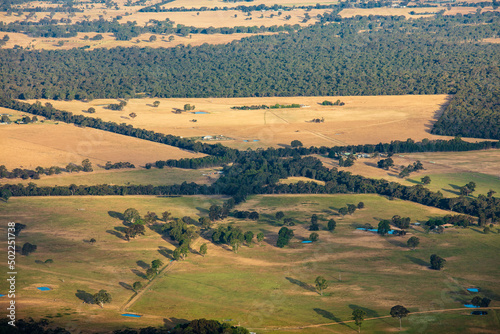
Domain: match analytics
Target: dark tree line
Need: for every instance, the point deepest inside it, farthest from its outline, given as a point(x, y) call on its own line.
point(255, 174)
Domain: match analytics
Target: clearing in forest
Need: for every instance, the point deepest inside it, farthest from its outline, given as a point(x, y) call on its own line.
point(362, 120)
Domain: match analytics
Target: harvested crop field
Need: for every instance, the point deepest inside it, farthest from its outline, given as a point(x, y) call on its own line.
point(363, 119)
point(49, 144)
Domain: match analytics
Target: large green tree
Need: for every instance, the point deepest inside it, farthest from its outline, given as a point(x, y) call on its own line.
point(358, 316)
point(400, 312)
point(101, 298)
point(321, 284)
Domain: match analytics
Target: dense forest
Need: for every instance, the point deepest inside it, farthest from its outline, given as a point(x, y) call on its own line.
point(357, 56)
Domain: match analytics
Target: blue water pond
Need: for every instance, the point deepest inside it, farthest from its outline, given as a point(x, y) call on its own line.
point(131, 315)
point(2, 295)
point(306, 241)
point(255, 140)
point(43, 288)
point(479, 313)
point(470, 306)
point(473, 289)
point(374, 230)
point(200, 112)
point(246, 141)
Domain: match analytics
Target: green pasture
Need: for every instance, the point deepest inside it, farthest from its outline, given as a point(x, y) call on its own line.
point(154, 176)
point(262, 287)
point(449, 183)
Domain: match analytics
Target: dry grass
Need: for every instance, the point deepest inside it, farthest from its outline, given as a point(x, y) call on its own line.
point(48, 144)
point(109, 41)
point(218, 3)
point(384, 11)
point(227, 18)
point(363, 119)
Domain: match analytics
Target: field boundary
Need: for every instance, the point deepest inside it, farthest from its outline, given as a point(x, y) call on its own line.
point(375, 318)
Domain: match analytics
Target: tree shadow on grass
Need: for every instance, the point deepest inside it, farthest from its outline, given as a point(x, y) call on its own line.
point(126, 286)
point(120, 229)
point(330, 316)
point(301, 284)
point(172, 322)
point(115, 214)
point(369, 312)
point(116, 234)
point(202, 211)
point(165, 252)
point(143, 265)
point(139, 273)
point(420, 262)
point(397, 243)
point(84, 296)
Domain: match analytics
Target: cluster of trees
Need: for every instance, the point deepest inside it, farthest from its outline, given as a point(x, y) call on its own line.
point(195, 326)
point(253, 215)
point(414, 167)
point(348, 161)
point(117, 106)
point(264, 106)
point(480, 302)
point(234, 236)
point(4, 40)
point(350, 208)
point(468, 189)
point(456, 220)
point(385, 163)
point(330, 103)
point(118, 165)
point(284, 236)
point(437, 262)
point(25, 174)
point(252, 107)
point(179, 231)
point(401, 222)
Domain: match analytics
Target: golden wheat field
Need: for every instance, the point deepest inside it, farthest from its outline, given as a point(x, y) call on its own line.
point(363, 119)
point(57, 144)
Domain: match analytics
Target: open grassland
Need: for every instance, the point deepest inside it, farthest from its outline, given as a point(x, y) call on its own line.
point(109, 41)
point(48, 144)
point(431, 11)
point(221, 4)
point(229, 18)
point(62, 228)
point(261, 286)
point(141, 176)
point(274, 288)
point(363, 119)
point(448, 170)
